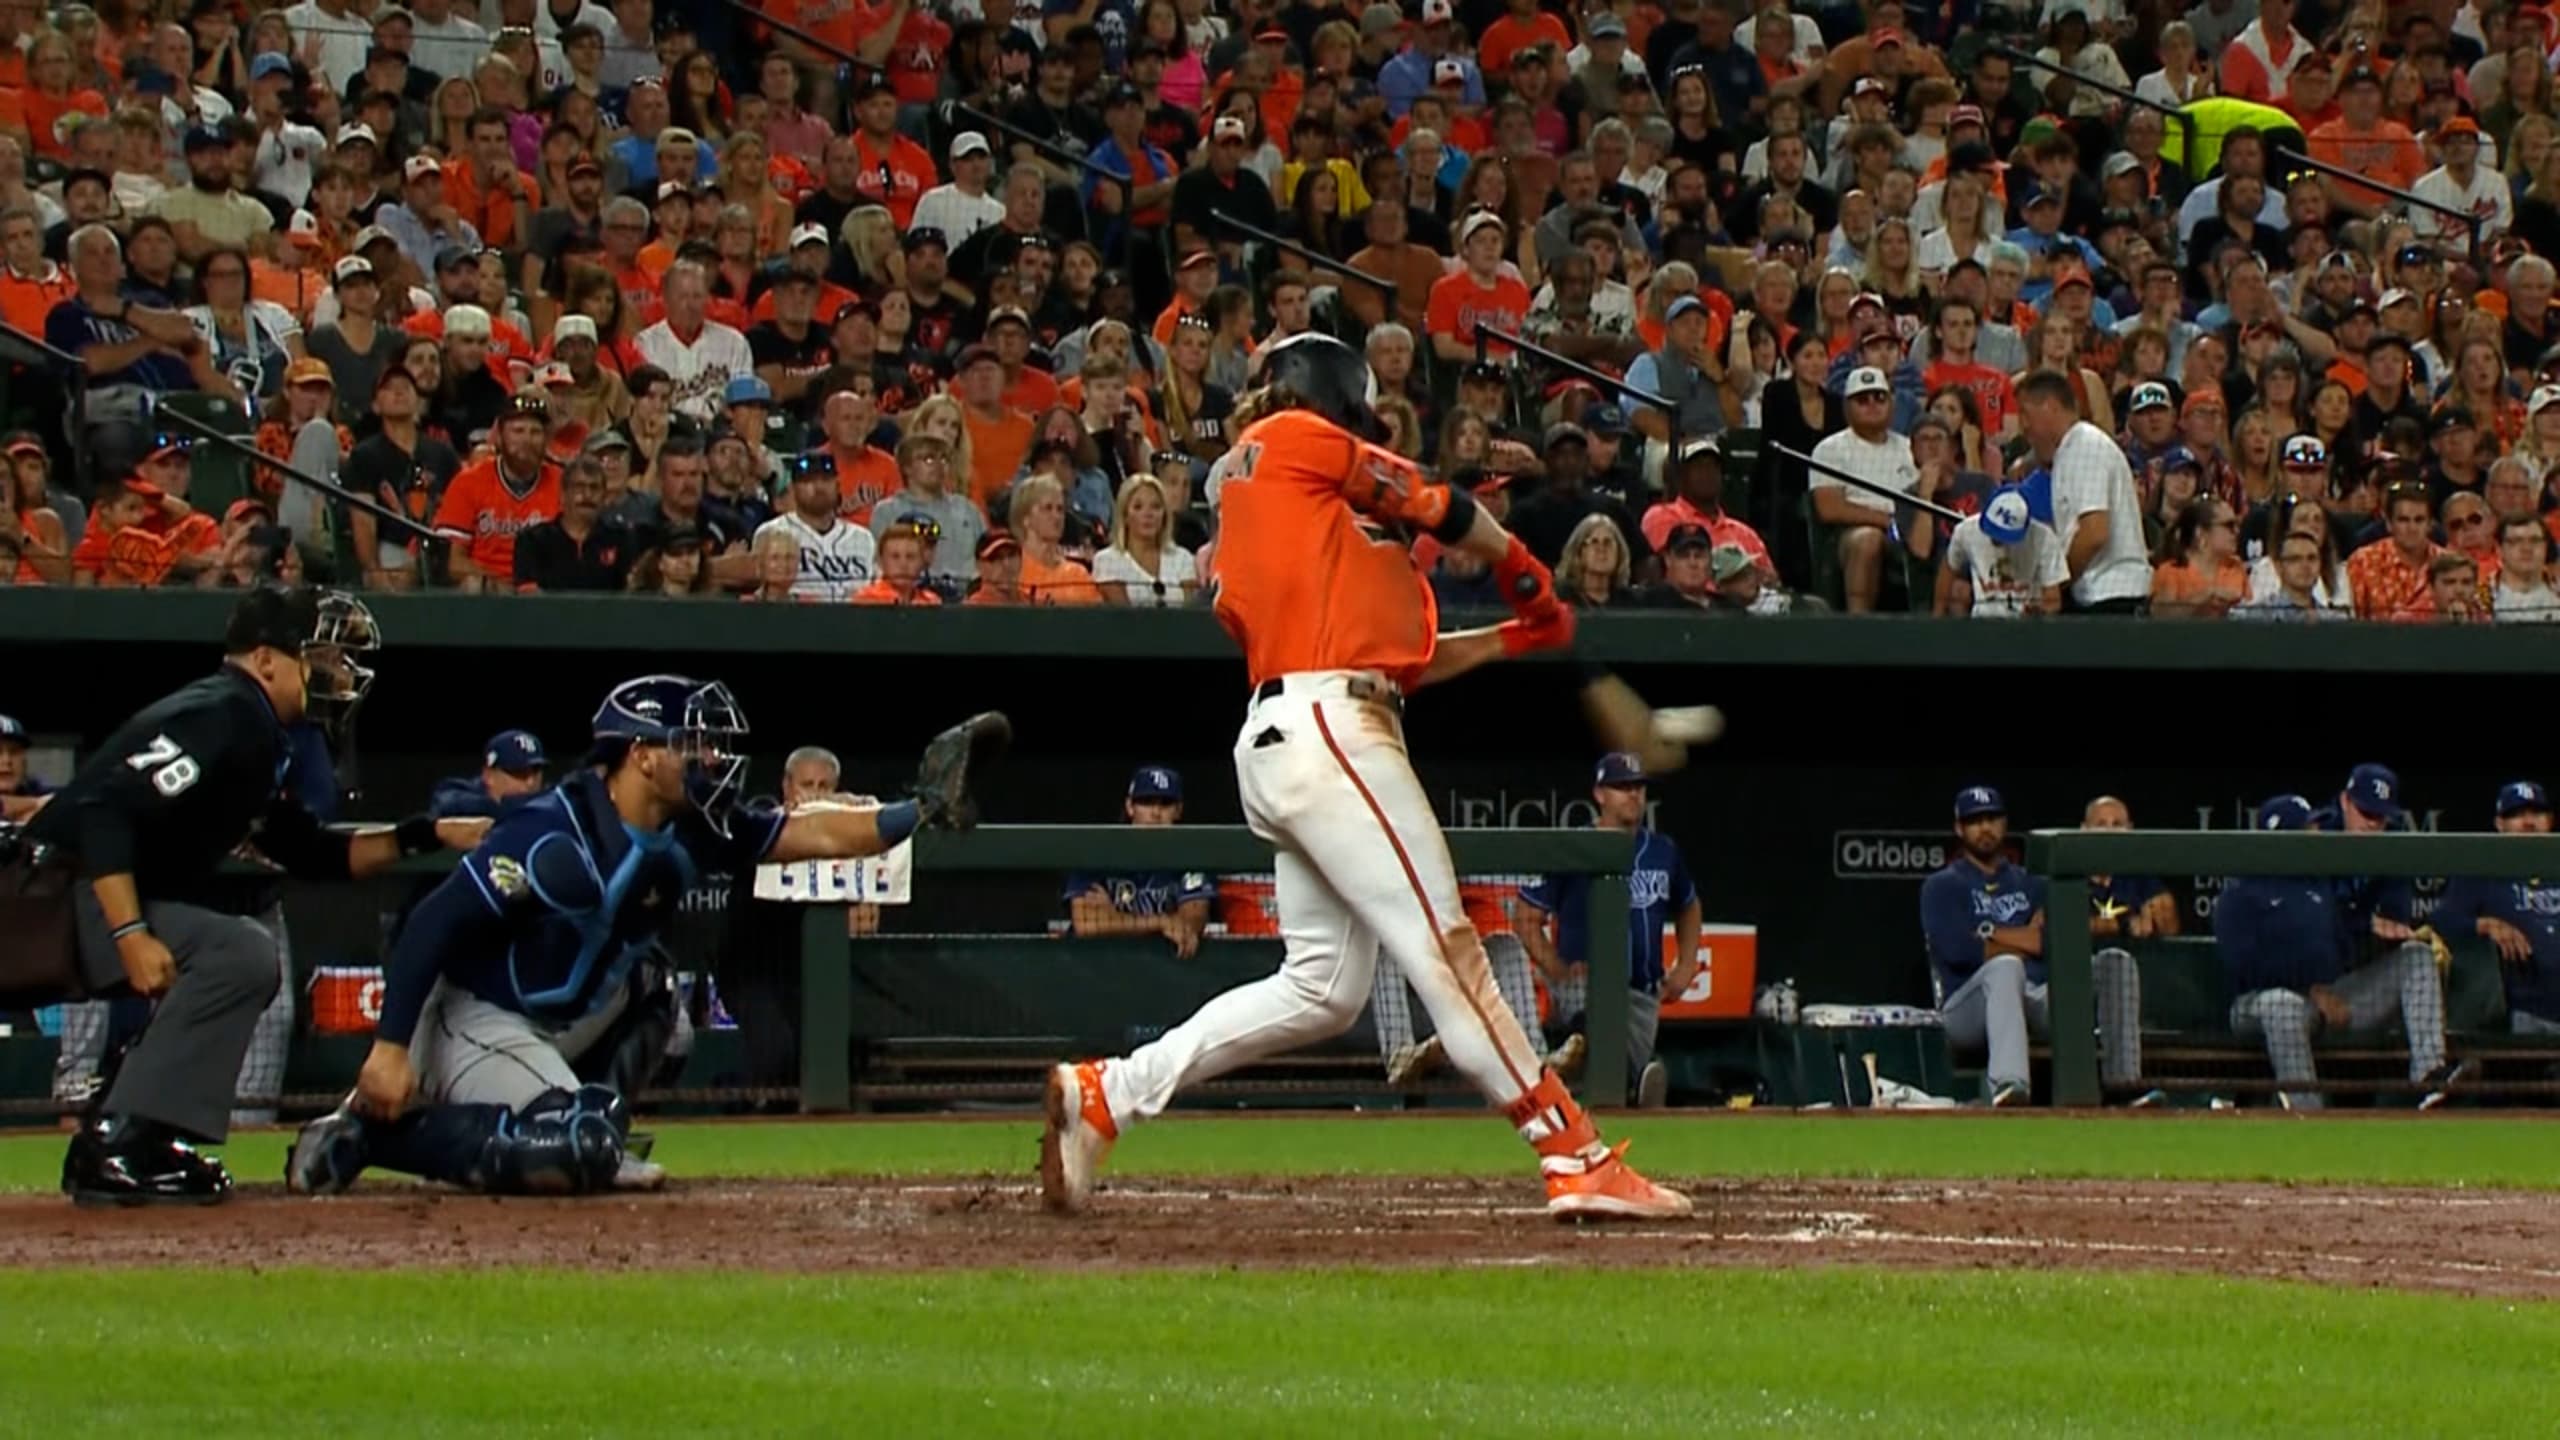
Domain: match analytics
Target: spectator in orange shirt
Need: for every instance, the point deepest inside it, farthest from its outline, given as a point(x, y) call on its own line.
point(30, 285)
point(999, 435)
point(1522, 25)
point(2360, 139)
point(492, 500)
point(116, 549)
point(2389, 577)
point(896, 171)
point(1478, 294)
point(1027, 388)
point(2202, 576)
point(1039, 516)
point(1193, 283)
point(999, 572)
point(901, 578)
point(487, 190)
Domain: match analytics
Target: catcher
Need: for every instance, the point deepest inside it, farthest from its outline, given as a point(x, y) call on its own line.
point(1318, 587)
point(520, 961)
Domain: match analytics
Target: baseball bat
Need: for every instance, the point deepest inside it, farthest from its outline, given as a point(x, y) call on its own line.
point(1623, 720)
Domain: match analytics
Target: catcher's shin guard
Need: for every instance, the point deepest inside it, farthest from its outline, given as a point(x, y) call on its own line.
point(560, 1144)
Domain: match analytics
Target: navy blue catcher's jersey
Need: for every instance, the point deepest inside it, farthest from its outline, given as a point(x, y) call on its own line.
point(580, 895)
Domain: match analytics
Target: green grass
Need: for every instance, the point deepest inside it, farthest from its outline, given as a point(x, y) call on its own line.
point(2397, 1150)
point(1491, 1353)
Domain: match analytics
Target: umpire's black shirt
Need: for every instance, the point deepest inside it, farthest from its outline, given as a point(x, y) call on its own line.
point(180, 786)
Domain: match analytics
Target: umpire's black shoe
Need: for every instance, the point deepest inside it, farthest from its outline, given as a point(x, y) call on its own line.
point(953, 760)
point(119, 1160)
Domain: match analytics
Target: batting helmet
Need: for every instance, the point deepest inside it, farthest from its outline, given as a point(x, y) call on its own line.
point(697, 719)
point(1325, 376)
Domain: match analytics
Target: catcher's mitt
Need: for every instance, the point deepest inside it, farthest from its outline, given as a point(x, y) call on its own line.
point(956, 757)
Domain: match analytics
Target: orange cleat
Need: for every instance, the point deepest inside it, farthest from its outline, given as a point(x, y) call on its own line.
point(1077, 1137)
point(1606, 1188)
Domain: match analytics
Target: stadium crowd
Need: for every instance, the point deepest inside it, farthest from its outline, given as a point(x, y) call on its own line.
point(953, 302)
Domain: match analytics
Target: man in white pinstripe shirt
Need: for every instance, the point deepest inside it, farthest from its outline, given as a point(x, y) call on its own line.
point(2094, 507)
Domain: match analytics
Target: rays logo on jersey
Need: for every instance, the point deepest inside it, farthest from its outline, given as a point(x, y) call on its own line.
point(507, 877)
point(2008, 908)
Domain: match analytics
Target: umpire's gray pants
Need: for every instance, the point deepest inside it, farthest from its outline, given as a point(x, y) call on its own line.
point(2403, 982)
point(181, 1072)
point(470, 1052)
point(1998, 1011)
point(261, 1084)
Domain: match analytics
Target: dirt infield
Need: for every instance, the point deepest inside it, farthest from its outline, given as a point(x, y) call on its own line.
point(2470, 1242)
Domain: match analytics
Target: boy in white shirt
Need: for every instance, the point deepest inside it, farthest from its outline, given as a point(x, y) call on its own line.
point(2003, 563)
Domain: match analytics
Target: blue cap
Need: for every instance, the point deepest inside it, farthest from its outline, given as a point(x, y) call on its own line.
point(2037, 486)
point(2374, 790)
point(2004, 515)
point(1683, 306)
point(1156, 784)
point(1605, 420)
point(2179, 457)
point(2285, 812)
point(1975, 800)
point(150, 80)
point(268, 64)
point(1619, 767)
point(2513, 797)
point(13, 732)
point(750, 390)
point(517, 752)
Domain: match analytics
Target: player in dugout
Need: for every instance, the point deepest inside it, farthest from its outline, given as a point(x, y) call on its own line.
point(1171, 903)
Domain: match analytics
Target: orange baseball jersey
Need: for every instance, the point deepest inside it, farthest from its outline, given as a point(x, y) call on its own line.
point(1487, 902)
point(1303, 581)
point(484, 514)
point(128, 556)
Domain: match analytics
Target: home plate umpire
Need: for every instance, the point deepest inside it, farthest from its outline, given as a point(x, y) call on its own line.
point(103, 893)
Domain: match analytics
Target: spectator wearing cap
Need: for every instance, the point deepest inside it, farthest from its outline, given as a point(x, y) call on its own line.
point(1983, 919)
point(1194, 281)
point(1139, 203)
point(21, 794)
point(1856, 520)
point(33, 527)
point(1685, 371)
point(492, 500)
point(2001, 563)
point(2388, 394)
point(1697, 498)
point(2519, 918)
point(1173, 904)
point(904, 550)
point(2151, 432)
point(1687, 568)
point(2095, 509)
point(2363, 141)
point(792, 348)
point(1410, 72)
point(576, 212)
point(355, 343)
point(999, 572)
point(974, 262)
point(424, 224)
point(999, 435)
point(595, 396)
point(1660, 893)
point(1222, 185)
point(1546, 521)
point(511, 767)
point(470, 396)
point(403, 467)
point(926, 499)
point(210, 212)
point(304, 433)
point(2389, 576)
point(836, 556)
point(962, 207)
point(895, 171)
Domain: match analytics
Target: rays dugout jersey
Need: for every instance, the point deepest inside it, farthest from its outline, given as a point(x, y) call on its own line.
point(561, 899)
point(834, 562)
point(1658, 889)
point(1154, 893)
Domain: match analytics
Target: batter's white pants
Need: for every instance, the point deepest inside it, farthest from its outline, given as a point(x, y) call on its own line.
point(1361, 867)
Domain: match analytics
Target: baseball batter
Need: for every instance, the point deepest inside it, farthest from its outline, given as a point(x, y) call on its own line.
point(1319, 589)
point(520, 960)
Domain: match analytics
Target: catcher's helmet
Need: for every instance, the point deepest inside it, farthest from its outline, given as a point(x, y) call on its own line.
point(699, 720)
point(1327, 377)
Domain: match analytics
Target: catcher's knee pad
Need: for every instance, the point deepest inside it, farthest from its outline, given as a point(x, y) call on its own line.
point(560, 1144)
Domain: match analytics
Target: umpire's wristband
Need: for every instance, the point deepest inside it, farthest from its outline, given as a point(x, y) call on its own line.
point(416, 835)
point(130, 927)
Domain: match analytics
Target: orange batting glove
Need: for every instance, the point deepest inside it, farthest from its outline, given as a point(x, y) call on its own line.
point(1551, 631)
point(1525, 584)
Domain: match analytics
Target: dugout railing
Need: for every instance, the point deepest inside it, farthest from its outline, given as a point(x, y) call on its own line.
point(2066, 859)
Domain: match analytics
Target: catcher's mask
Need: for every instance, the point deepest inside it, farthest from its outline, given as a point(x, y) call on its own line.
point(699, 720)
point(329, 631)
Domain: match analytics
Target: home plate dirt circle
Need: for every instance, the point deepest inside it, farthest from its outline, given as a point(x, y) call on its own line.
point(2464, 1241)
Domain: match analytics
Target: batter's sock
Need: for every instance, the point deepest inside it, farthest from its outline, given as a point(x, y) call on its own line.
point(1555, 1124)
